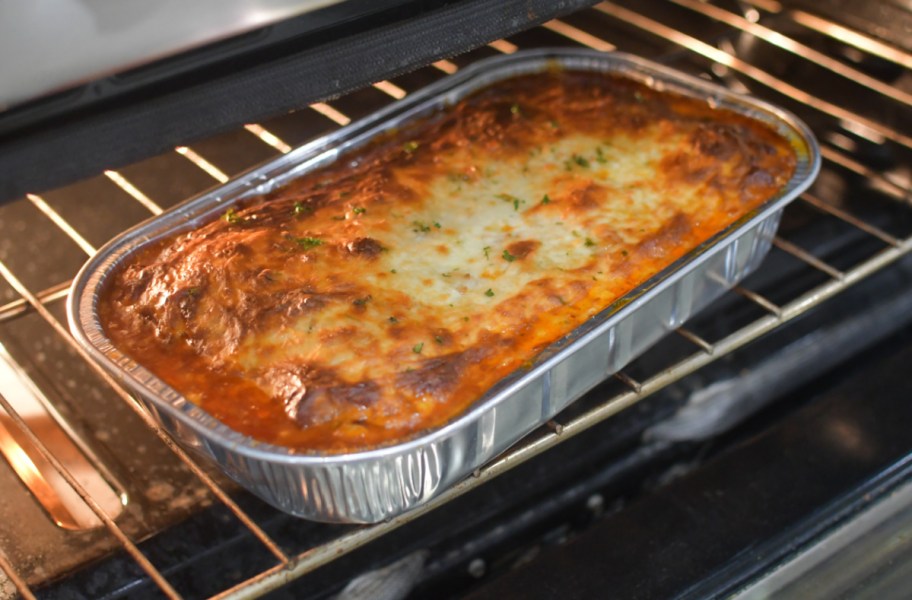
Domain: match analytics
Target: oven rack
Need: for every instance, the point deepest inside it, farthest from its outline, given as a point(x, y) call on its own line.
point(587, 28)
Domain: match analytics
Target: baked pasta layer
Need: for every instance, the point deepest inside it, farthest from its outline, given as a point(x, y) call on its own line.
point(382, 295)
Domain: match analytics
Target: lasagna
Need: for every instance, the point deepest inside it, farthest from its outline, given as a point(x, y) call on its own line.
point(382, 295)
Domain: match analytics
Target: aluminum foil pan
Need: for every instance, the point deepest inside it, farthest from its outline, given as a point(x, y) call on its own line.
point(374, 485)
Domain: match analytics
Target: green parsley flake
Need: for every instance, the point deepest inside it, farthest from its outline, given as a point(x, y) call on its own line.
point(578, 160)
point(489, 293)
point(418, 347)
point(393, 320)
point(515, 110)
point(545, 199)
point(410, 146)
point(420, 227)
point(301, 209)
point(306, 243)
point(359, 211)
point(233, 217)
point(487, 249)
point(589, 242)
point(438, 339)
point(512, 199)
point(508, 257)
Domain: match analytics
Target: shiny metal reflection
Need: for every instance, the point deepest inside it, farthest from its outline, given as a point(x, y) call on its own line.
point(47, 485)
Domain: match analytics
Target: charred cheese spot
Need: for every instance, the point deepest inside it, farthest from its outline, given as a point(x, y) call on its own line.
point(522, 248)
point(313, 396)
point(366, 247)
point(381, 296)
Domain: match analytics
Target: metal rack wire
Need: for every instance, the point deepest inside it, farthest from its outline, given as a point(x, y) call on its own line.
point(584, 30)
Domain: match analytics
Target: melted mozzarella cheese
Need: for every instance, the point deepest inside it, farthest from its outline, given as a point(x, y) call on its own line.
point(381, 296)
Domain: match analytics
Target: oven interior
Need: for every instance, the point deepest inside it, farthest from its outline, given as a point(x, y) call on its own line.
point(742, 437)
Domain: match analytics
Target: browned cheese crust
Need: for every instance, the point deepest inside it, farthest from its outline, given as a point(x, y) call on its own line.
point(382, 295)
